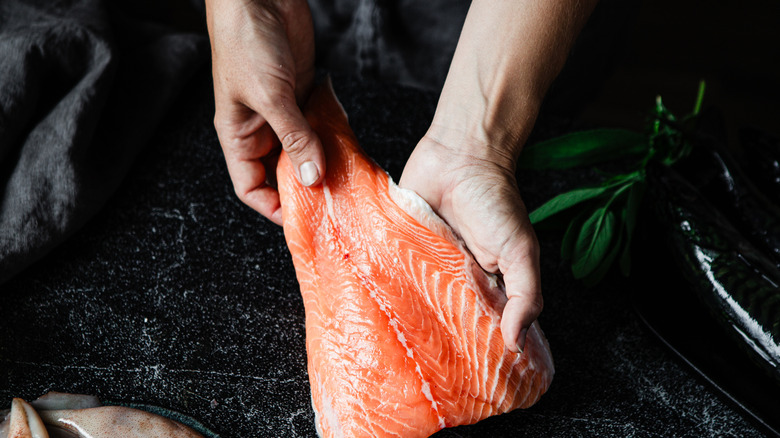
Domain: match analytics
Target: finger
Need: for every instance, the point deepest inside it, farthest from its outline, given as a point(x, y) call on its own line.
point(297, 137)
point(270, 161)
point(520, 267)
point(249, 182)
point(245, 141)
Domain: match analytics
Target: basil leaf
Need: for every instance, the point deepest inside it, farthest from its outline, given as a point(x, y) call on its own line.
point(565, 201)
point(602, 220)
point(603, 267)
point(630, 214)
point(593, 242)
point(583, 148)
point(571, 234)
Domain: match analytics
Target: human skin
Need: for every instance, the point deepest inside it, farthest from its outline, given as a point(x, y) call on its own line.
point(508, 53)
point(464, 167)
point(262, 55)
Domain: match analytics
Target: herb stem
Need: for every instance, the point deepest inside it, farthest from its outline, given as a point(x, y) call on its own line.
point(619, 192)
point(699, 97)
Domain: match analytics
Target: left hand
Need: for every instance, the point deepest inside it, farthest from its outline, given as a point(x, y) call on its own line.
point(479, 198)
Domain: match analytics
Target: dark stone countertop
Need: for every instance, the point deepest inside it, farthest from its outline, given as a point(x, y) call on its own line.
point(178, 295)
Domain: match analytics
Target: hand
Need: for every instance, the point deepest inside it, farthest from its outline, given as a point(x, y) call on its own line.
point(263, 65)
point(479, 198)
point(507, 55)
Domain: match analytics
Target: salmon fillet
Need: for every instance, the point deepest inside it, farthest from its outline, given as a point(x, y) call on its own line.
point(402, 325)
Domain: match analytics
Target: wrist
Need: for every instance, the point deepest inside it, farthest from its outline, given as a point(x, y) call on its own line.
point(436, 169)
point(507, 55)
point(475, 126)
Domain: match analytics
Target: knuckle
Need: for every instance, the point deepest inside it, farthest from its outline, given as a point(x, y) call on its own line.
point(268, 95)
point(220, 124)
point(295, 142)
point(225, 131)
point(241, 194)
point(537, 304)
point(278, 90)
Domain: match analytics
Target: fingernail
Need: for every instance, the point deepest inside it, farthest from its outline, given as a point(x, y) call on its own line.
point(277, 216)
point(309, 173)
point(521, 339)
point(519, 348)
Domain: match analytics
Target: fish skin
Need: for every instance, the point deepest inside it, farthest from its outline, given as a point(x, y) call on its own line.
point(716, 174)
point(54, 400)
point(761, 158)
point(402, 325)
point(24, 422)
point(734, 280)
point(116, 421)
point(77, 415)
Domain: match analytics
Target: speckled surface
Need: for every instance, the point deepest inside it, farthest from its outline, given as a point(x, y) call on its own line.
point(177, 295)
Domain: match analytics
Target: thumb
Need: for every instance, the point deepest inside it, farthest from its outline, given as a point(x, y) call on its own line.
point(523, 289)
point(297, 137)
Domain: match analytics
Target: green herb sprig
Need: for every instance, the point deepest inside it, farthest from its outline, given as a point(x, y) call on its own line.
point(601, 219)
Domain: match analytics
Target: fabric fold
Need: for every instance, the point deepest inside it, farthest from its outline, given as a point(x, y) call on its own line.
point(82, 87)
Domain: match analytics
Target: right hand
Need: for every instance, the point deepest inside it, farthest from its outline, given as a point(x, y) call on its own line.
point(472, 186)
point(263, 65)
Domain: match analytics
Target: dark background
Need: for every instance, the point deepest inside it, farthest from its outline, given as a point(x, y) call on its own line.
point(674, 45)
point(177, 295)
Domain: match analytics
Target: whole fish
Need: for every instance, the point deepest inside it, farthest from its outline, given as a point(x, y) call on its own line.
point(761, 155)
point(81, 416)
point(719, 178)
point(734, 280)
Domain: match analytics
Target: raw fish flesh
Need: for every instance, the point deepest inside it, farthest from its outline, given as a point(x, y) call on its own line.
point(402, 325)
